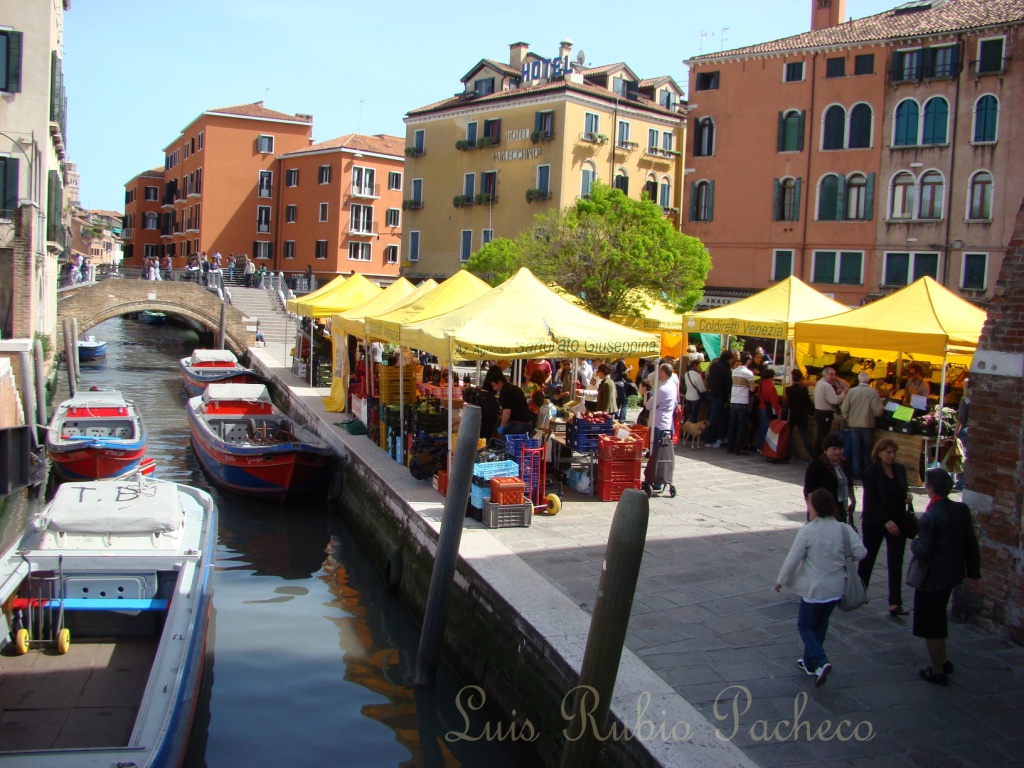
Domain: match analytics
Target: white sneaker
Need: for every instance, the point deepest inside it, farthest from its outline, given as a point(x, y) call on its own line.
point(800, 663)
point(821, 674)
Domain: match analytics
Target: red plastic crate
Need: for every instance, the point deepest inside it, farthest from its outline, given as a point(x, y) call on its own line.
point(507, 490)
point(641, 433)
point(618, 471)
point(611, 448)
point(609, 491)
point(442, 482)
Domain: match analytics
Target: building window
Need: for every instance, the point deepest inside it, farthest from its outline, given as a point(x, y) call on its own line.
point(417, 191)
point(419, 141)
point(391, 254)
point(395, 180)
point(591, 124)
point(702, 201)
point(864, 64)
point(707, 81)
point(320, 251)
point(704, 138)
point(471, 133)
point(588, 176)
point(787, 200)
point(358, 251)
point(652, 140)
point(322, 216)
point(666, 140)
point(392, 217)
point(622, 181)
point(263, 218)
point(361, 219)
point(290, 214)
point(834, 129)
point(489, 186)
point(544, 124)
point(974, 272)
point(650, 189)
point(782, 265)
point(986, 118)
point(544, 180)
point(289, 249)
point(291, 177)
point(990, 56)
point(261, 249)
point(939, 62)
point(857, 204)
point(622, 138)
point(860, 127)
point(906, 66)
point(484, 86)
point(904, 194)
point(492, 130)
point(837, 267)
point(266, 184)
point(980, 196)
point(469, 185)
point(905, 127)
point(794, 72)
point(152, 194)
point(905, 268)
point(414, 246)
point(829, 198)
point(932, 189)
point(665, 192)
point(466, 245)
point(835, 67)
point(265, 145)
point(791, 131)
point(200, 140)
point(486, 235)
point(363, 182)
point(150, 221)
point(148, 250)
point(324, 174)
point(936, 118)
point(667, 99)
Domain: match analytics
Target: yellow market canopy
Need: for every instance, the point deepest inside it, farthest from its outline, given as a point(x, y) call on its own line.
point(923, 318)
point(395, 295)
point(770, 314)
point(337, 296)
point(522, 318)
point(459, 289)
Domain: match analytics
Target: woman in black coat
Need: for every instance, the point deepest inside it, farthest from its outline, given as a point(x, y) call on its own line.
point(946, 542)
point(886, 495)
point(828, 471)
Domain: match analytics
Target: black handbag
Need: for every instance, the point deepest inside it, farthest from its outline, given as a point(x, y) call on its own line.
point(917, 572)
point(909, 524)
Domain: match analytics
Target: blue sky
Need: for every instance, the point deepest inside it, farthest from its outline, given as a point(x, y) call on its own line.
point(137, 72)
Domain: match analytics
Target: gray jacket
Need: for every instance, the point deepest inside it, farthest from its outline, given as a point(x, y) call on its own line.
point(815, 567)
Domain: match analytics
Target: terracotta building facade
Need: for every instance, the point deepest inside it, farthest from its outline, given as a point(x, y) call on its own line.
point(861, 155)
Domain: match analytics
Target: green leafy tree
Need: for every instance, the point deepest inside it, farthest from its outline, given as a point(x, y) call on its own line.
point(610, 250)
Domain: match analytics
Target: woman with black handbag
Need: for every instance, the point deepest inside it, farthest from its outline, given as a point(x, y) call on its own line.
point(886, 496)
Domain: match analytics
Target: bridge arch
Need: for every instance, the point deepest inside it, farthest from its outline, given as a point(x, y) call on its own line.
point(93, 303)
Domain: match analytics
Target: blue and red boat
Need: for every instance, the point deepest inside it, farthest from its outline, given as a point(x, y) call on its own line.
point(97, 435)
point(206, 366)
point(248, 446)
point(91, 348)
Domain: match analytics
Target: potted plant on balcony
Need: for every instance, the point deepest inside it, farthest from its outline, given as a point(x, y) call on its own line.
point(463, 144)
point(411, 205)
point(538, 136)
point(413, 152)
point(595, 138)
point(485, 141)
point(485, 197)
point(536, 194)
point(460, 201)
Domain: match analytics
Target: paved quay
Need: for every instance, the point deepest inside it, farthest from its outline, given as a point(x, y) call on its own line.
point(707, 626)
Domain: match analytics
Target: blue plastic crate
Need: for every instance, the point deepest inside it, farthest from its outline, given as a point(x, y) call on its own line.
point(489, 469)
point(583, 435)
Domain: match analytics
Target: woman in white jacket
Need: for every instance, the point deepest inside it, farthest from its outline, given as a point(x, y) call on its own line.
point(815, 569)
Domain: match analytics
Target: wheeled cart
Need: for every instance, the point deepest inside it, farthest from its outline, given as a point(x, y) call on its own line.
point(38, 611)
point(660, 468)
point(533, 470)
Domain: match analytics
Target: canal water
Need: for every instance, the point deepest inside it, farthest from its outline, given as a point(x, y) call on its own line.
point(311, 660)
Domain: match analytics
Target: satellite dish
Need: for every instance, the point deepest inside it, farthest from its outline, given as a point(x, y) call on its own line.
point(581, 57)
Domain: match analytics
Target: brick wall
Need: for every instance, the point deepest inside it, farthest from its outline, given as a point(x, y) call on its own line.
point(10, 399)
point(995, 445)
point(23, 273)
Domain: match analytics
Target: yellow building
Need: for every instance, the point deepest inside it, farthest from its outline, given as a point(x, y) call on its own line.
point(530, 135)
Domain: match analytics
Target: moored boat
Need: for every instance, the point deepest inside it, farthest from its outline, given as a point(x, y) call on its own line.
point(152, 317)
point(96, 435)
point(205, 366)
point(91, 348)
point(112, 580)
point(247, 445)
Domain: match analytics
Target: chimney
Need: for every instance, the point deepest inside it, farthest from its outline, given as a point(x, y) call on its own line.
point(827, 13)
point(516, 53)
point(564, 48)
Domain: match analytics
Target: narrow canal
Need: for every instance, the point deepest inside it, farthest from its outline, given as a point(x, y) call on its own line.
point(311, 661)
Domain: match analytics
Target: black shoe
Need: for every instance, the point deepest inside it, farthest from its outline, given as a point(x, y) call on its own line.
point(930, 677)
point(948, 668)
point(898, 611)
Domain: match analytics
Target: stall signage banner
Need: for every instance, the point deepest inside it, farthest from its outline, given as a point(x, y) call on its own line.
point(560, 348)
point(731, 327)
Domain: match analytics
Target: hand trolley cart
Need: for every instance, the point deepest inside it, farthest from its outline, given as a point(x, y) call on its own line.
point(39, 610)
point(659, 469)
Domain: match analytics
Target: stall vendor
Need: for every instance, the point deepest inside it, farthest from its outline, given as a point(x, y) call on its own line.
point(916, 384)
point(516, 417)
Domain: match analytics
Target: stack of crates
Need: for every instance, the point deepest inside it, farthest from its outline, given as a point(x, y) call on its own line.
point(507, 507)
point(583, 434)
point(373, 419)
point(388, 384)
point(480, 487)
point(516, 443)
point(618, 466)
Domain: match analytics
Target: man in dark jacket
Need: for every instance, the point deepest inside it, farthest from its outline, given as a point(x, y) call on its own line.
point(719, 384)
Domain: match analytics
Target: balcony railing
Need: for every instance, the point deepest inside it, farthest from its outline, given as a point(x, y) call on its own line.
point(979, 67)
point(362, 229)
point(262, 192)
point(366, 190)
point(412, 205)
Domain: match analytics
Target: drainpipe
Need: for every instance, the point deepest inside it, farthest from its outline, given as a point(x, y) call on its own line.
point(805, 203)
point(946, 245)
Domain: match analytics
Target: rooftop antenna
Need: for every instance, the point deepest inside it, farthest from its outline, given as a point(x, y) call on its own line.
point(359, 123)
point(703, 34)
point(722, 38)
point(266, 94)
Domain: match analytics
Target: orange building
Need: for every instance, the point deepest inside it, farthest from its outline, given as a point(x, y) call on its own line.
point(860, 155)
point(141, 231)
point(340, 206)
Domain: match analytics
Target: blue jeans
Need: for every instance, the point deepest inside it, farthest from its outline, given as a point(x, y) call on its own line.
point(765, 417)
point(719, 419)
point(812, 623)
point(860, 450)
point(739, 418)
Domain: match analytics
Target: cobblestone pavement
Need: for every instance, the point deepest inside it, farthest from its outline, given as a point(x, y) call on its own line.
point(706, 619)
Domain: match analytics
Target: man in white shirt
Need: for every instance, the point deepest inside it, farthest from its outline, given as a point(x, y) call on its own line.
point(739, 406)
point(376, 351)
point(829, 393)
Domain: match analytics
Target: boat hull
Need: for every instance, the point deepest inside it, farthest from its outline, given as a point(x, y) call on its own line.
point(92, 352)
point(95, 462)
point(152, 318)
point(195, 380)
point(96, 436)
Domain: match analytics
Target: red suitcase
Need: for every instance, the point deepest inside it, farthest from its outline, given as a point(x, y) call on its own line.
point(776, 442)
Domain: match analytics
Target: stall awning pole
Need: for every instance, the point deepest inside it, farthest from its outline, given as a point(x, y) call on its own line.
point(942, 400)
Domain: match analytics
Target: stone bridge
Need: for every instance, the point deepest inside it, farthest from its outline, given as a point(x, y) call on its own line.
point(92, 303)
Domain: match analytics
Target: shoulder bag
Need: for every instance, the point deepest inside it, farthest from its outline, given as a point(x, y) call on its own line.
point(908, 526)
point(917, 572)
point(855, 594)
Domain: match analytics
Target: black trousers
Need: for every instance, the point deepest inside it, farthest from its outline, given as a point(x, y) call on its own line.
point(895, 546)
point(824, 421)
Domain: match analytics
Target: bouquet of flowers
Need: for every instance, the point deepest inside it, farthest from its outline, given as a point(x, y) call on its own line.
point(928, 424)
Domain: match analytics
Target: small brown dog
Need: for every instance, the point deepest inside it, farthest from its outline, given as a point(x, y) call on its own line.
point(694, 432)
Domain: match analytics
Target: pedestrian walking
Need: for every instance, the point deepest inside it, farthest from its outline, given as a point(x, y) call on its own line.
point(828, 471)
point(815, 569)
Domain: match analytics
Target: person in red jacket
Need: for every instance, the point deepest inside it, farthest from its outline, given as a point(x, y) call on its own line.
point(768, 405)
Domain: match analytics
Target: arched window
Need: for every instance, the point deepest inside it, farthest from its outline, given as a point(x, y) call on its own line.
point(588, 177)
point(829, 208)
point(787, 200)
point(860, 126)
point(651, 188)
point(622, 180)
point(666, 192)
point(834, 129)
point(704, 137)
point(936, 120)
point(932, 192)
point(980, 196)
point(857, 197)
point(905, 128)
point(986, 118)
point(150, 221)
point(791, 131)
point(904, 193)
point(702, 201)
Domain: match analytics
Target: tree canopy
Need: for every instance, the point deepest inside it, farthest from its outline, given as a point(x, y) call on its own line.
point(609, 250)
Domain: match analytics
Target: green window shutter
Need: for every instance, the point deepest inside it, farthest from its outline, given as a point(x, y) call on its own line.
point(841, 199)
point(711, 201)
point(10, 196)
point(869, 197)
point(538, 121)
point(693, 201)
point(776, 200)
point(781, 140)
point(796, 201)
point(14, 45)
point(928, 62)
point(800, 131)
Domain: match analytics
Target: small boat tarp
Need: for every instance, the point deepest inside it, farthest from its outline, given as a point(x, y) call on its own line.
point(249, 393)
point(213, 356)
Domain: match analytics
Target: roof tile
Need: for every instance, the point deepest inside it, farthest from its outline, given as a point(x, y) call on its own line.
point(256, 109)
point(380, 144)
